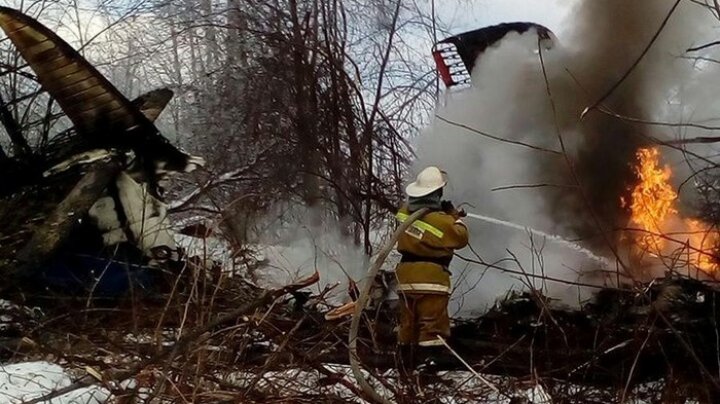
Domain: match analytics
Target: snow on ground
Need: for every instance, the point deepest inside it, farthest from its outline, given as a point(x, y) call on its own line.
point(26, 381)
point(450, 387)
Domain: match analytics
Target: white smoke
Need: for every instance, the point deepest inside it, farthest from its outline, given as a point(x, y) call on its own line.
point(295, 248)
point(509, 100)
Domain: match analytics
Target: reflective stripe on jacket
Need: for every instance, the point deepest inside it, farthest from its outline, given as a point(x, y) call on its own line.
point(435, 236)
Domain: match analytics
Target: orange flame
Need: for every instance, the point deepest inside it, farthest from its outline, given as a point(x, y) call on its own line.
point(661, 230)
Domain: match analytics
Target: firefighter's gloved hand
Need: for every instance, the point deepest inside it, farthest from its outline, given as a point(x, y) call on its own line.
point(450, 209)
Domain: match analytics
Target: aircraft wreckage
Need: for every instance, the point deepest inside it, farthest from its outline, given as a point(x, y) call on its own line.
point(88, 199)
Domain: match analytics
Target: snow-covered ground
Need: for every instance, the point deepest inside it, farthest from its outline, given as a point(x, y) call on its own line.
point(27, 381)
point(21, 382)
point(450, 387)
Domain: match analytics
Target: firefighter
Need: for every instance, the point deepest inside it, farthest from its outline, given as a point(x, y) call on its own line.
point(427, 248)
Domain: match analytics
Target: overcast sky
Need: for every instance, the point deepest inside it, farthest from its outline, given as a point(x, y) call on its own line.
point(464, 15)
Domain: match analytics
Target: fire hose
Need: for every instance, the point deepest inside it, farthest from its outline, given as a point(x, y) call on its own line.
point(362, 302)
point(551, 237)
point(375, 268)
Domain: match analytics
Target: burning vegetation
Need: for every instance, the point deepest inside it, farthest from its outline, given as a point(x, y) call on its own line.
point(657, 229)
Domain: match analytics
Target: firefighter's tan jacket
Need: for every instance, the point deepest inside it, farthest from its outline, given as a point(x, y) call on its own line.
point(427, 247)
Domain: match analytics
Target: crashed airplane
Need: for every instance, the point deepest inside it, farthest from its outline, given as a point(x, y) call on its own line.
point(456, 56)
point(89, 201)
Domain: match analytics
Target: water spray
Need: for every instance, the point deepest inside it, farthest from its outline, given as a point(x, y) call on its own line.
point(567, 243)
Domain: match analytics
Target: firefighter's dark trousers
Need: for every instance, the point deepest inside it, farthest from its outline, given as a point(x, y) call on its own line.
point(423, 317)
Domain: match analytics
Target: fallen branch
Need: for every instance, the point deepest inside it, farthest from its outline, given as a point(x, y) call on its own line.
point(467, 366)
point(184, 342)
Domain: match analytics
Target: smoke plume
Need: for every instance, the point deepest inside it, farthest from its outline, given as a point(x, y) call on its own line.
point(576, 197)
point(294, 249)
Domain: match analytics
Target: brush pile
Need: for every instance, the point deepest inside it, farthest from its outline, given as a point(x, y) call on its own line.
point(662, 337)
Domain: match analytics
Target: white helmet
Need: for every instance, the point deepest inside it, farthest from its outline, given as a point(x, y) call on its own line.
point(428, 181)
